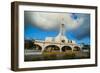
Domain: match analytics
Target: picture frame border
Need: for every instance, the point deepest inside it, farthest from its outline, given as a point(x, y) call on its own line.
point(15, 34)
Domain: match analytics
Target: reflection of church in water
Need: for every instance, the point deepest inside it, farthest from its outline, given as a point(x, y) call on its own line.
point(59, 43)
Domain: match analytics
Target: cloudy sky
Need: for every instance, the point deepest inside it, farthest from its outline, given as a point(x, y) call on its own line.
point(39, 25)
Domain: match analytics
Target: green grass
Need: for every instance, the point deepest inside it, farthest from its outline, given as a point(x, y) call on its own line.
point(58, 56)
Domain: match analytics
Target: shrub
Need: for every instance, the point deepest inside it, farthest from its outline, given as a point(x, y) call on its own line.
point(68, 55)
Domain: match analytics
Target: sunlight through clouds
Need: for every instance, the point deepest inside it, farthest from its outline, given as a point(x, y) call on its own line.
point(46, 20)
point(77, 25)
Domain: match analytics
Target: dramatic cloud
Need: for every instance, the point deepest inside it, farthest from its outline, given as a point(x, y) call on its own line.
point(48, 20)
point(84, 29)
point(77, 23)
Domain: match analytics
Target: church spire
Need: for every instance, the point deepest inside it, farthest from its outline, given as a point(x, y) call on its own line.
point(62, 28)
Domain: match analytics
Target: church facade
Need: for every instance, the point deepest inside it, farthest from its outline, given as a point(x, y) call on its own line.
point(59, 43)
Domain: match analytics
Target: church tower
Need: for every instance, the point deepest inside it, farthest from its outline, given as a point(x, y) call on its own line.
point(61, 36)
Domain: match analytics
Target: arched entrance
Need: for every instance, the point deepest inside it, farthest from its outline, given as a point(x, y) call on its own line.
point(37, 47)
point(76, 48)
point(51, 48)
point(66, 48)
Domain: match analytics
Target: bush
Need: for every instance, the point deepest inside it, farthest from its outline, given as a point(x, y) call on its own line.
point(57, 55)
point(49, 55)
point(68, 55)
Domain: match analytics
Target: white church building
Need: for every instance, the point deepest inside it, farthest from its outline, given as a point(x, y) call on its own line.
point(59, 43)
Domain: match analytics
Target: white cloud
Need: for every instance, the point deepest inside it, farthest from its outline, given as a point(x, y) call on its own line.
point(47, 20)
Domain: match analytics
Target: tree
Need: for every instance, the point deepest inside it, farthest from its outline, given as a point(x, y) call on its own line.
point(28, 44)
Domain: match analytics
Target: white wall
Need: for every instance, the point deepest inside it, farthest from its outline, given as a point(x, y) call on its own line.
point(5, 32)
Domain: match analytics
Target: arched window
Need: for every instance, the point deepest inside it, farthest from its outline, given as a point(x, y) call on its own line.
point(37, 47)
point(65, 48)
point(51, 48)
point(76, 48)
